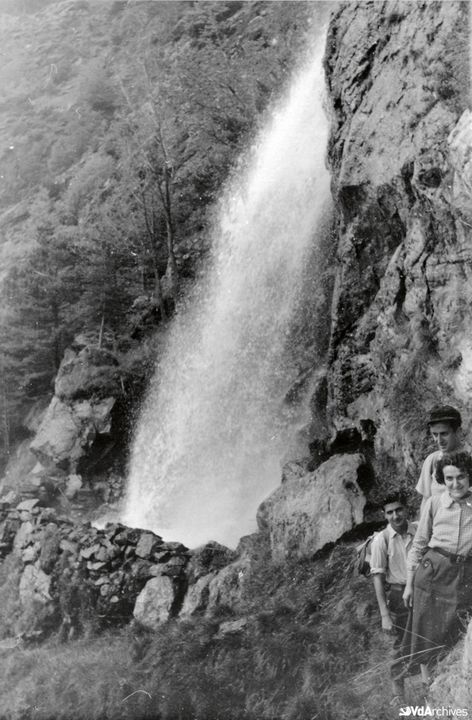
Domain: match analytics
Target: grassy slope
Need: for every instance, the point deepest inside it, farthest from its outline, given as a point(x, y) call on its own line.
point(310, 649)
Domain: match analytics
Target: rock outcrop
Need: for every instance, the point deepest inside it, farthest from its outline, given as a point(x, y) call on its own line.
point(86, 387)
point(314, 509)
point(398, 78)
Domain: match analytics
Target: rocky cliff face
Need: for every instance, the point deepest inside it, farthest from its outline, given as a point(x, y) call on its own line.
point(398, 78)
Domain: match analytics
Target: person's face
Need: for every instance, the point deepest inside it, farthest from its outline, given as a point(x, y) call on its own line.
point(444, 436)
point(396, 515)
point(456, 481)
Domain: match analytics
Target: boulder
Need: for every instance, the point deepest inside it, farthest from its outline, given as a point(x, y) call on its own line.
point(208, 558)
point(58, 437)
point(154, 603)
point(87, 385)
point(65, 434)
point(308, 512)
point(147, 544)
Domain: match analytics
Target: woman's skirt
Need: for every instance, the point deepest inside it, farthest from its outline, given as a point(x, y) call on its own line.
point(442, 600)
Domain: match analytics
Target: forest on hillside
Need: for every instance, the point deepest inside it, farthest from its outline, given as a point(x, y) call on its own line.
point(119, 124)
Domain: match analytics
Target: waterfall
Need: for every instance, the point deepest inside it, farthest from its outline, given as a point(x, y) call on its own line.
point(216, 423)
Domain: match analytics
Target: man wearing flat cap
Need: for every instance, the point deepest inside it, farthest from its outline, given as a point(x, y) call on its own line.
point(444, 423)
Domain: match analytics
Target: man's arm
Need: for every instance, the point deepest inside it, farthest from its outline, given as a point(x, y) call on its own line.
point(379, 587)
point(423, 486)
point(379, 563)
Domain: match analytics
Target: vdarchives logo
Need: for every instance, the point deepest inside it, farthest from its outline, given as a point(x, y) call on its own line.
point(436, 712)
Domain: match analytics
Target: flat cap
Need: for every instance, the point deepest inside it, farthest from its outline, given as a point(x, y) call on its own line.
point(444, 413)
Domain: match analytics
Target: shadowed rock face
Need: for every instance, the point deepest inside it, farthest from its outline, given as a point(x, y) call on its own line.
point(398, 77)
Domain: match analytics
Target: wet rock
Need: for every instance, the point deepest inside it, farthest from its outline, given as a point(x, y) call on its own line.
point(154, 603)
point(302, 516)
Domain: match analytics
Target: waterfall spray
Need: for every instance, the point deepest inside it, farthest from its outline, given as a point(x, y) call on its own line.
point(215, 426)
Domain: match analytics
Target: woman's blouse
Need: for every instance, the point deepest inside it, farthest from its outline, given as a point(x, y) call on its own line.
point(445, 523)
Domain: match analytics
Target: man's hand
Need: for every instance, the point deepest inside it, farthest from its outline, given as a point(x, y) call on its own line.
point(408, 597)
point(387, 625)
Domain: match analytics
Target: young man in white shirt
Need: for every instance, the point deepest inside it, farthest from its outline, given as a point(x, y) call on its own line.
point(444, 424)
point(389, 571)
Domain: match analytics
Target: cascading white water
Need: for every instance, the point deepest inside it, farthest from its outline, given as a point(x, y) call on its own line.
point(215, 425)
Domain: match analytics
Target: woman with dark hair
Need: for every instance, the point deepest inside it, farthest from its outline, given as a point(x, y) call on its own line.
point(439, 566)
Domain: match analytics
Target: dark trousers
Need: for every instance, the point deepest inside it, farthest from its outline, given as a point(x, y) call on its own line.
point(399, 615)
point(442, 601)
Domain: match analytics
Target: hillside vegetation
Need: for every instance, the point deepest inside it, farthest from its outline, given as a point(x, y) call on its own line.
point(119, 123)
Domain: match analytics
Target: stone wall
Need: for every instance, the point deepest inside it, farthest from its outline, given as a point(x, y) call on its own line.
point(78, 579)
